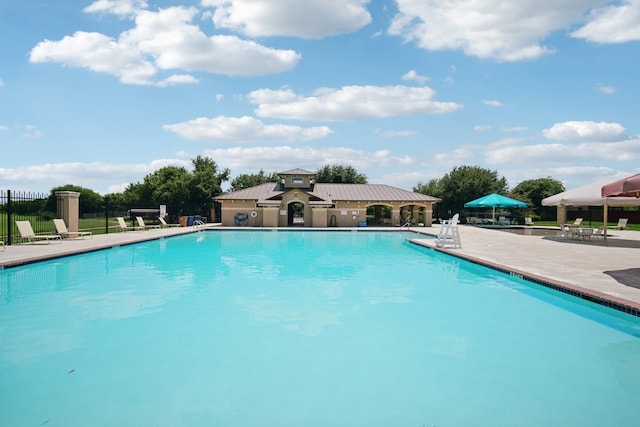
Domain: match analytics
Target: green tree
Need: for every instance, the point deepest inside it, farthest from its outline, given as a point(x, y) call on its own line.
point(431, 188)
point(532, 191)
point(206, 184)
point(340, 174)
point(251, 180)
point(166, 186)
point(182, 191)
point(466, 183)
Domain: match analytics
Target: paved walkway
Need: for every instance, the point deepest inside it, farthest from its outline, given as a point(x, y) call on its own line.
point(605, 270)
point(41, 250)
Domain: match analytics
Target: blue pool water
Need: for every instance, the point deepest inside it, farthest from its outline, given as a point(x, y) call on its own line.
point(304, 328)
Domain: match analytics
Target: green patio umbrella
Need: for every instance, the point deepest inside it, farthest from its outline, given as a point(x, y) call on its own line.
point(494, 201)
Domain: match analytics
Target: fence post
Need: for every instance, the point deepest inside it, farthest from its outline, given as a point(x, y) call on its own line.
point(9, 215)
point(106, 214)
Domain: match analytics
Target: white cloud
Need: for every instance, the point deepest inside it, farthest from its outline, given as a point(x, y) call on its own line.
point(614, 23)
point(174, 43)
point(394, 133)
point(585, 130)
point(506, 31)
point(310, 19)
point(161, 41)
point(457, 157)
point(514, 129)
point(596, 152)
point(116, 7)
point(349, 103)
point(482, 128)
point(31, 132)
point(98, 176)
point(492, 103)
point(251, 159)
point(607, 90)
point(243, 129)
point(98, 53)
point(413, 76)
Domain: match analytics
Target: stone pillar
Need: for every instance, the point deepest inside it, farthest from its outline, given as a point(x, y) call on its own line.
point(69, 208)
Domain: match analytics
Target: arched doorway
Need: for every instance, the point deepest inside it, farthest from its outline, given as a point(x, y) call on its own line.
point(295, 214)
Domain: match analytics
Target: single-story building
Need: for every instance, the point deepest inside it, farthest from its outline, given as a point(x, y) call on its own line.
point(296, 200)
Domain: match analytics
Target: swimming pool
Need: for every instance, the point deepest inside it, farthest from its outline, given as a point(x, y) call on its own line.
point(294, 328)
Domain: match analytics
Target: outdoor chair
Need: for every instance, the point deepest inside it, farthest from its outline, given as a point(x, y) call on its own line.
point(622, 223)
point(598, 233)
point(26, 233)
point(122, 225)
point(528, 221)
point(165, 224)
point(144, 226)
point(61, 229)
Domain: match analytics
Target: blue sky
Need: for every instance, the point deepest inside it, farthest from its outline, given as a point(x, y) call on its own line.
point(100, 94)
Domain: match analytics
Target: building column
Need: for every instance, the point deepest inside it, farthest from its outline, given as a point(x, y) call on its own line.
point(395, 216)
point(68, 208)
point(561, 214)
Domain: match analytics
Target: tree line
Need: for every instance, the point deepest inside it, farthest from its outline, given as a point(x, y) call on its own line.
point(192, 192)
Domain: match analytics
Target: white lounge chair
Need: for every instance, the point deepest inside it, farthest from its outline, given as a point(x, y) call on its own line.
point(576, 223)
point(622, 223)
point(26, 233)
point(165, 224)
point(144, 226)
point(61, 229)
point(448, 234)
point(122, 225)
point(528, 221)
point(4, 248)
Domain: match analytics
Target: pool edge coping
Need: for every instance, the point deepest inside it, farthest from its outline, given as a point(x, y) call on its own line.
point(600, 298)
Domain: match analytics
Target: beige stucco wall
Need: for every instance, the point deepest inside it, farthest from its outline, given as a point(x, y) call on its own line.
point(319, 217)
point(231, 207)
point(347, 213)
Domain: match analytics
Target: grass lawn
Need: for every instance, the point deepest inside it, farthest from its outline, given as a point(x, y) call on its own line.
point(94, 225)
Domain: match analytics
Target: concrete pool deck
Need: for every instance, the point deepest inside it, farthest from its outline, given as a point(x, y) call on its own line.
point(603, 269)
point(600, 270)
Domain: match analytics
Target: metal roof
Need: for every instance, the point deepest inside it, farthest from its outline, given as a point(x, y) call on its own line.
point(329, 193)
point(263, 191)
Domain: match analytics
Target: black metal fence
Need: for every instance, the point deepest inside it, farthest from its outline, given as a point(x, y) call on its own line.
point(40, 208)
point(23, 205)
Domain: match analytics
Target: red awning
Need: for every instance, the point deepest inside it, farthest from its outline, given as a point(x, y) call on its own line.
point(627, 187)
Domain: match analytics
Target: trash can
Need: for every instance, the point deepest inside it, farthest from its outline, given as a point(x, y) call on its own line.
point(190, 220)
point(183, 221)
